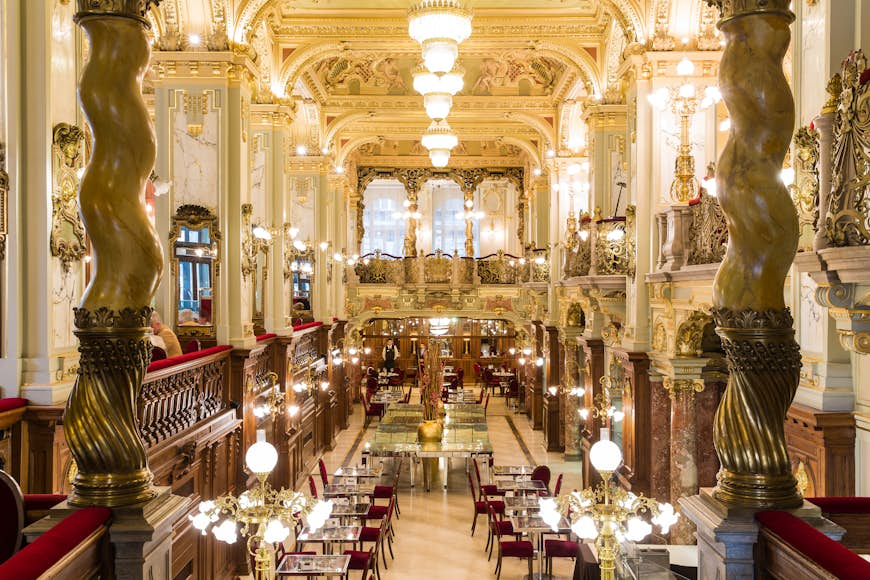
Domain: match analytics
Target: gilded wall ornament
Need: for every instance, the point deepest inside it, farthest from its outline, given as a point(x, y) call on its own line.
point(682, 387)
point(805, 189)
point(67, 230)
point(708, 236)
point(848, 219)
point(137, 9)
point(690, 335)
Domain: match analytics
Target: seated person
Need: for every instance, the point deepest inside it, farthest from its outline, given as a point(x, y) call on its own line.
point(186, 318)
point(173, 348)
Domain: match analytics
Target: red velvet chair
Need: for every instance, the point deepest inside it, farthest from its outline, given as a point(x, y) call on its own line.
point(488, 489)
point(480, 505)
point(512, 549)
point(362, 560)
point(559, 549)
point(558, 486)
point(157, 353)
point(324, 475)
point(192, 346)
point(312, 487)
point(541, 473)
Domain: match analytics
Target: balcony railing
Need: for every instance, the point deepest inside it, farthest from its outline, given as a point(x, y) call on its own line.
point(692, 235)
point(602, 247)
point(441, 268)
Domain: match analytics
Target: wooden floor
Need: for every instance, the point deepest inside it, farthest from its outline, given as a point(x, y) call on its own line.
point(434, 531)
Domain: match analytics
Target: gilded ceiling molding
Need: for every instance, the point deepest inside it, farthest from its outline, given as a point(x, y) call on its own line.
point(628, 14)
point(546, 130)
point(413, 178)
point(354, 144)
point(577, 57)
point(303, 56)
point(342, 121)
point(531, 151)
point(244, 17)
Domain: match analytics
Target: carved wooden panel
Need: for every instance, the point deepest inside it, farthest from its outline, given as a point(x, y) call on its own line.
point(825, 443)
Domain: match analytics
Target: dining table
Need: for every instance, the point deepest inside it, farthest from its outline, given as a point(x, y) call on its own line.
point(328, 536)
point(359, 471)
point(521, 486)
point(535, 526)
point(345, 511)
point(514, 471)
point(312, 565)
point(347, 489)
point(521, 503)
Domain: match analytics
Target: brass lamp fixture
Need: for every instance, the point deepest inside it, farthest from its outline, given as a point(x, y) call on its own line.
point(262, 514)
point(607, 513)
point(602, 408)
point(308, 384)
point(272, 402)
point(684, 102)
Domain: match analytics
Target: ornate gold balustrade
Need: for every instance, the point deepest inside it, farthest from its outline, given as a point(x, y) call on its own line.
point(691, 235)
point(601, 247)
point(497, 269)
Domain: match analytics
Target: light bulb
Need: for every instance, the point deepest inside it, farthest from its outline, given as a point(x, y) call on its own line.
point(439, 55)
point(787, 176)
point(618, 416)
point(337, 360)
point(293, 410)
point(536, 171)
point(605, 455)
point(685, 67)
point(276, 532)
point(301, 150)
point(226, 532)
point(725, 125)
point(666, 517)
point(512, 351)
point(194, 40)
point(584, 413)
point(438, 105)
point(439, 157)
point(261, 456)
point(584, 527)
point(521, 361)
point(540, 361)
point(687, 91)
point(324, 386)
point(584, 235)
point(200, 521)
point(324, 246)
point(637, 529)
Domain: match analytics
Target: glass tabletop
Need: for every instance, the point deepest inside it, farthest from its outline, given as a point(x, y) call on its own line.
point(340, 509)
point(330, 534)
point(303, 565)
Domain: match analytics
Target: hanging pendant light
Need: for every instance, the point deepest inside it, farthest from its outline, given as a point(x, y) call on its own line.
point(439, 139)
point(438, 90)
point(440, 26)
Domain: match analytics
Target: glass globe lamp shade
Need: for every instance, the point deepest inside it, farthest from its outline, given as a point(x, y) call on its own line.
point(439, 54)
point(685, 67)
point(605, 455)
point(439, 157)
point(276, 532)
point(452, 82)
point(261, 456)
point(438, 105)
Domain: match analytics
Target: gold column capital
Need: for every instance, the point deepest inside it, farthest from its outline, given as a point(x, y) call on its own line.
point(135, 9)
point(679, 387)
point(729, 9)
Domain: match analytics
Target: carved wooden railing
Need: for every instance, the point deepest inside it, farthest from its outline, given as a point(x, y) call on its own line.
point(612, 248)
point(11, 412)
point(181, 391)
point(539, 265)
point(379, 268)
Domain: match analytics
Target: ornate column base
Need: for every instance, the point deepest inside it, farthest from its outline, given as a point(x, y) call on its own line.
point(727, 536)
point(764, 362)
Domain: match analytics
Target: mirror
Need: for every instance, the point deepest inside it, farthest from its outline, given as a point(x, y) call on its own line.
point(196, 241)
point(299, 271)
point(258, 287)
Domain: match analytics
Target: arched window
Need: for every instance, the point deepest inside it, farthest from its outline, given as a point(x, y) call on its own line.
point(448, 224)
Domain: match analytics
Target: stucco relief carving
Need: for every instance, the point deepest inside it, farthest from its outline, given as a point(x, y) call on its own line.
point(67, 229)
point(805, 189)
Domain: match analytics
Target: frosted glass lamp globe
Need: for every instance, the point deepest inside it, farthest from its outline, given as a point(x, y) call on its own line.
point(261, 456)
point(605, 455)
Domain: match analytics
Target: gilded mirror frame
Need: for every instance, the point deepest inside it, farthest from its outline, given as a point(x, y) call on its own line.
point(195, 217)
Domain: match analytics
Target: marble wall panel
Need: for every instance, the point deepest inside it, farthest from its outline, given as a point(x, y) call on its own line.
point(195, 157)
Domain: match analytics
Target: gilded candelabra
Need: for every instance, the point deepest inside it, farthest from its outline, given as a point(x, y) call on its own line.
point(262, 514)
point(685, 101)
point(607, 513)
point(602, 407)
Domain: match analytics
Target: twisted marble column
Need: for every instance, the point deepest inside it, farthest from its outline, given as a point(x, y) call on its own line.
point(749, 308)
point(112, 320)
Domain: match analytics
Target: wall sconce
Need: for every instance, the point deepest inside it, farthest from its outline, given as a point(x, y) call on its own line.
point(553, 391)
point(273, 399)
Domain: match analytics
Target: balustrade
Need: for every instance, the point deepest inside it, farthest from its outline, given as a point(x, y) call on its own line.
point(692, 235)
point(441, 268)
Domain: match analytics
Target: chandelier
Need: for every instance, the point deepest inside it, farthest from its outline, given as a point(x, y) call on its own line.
point(262, 514)
point(439, 139)
point(440, 26)
point(438, 90)
point(684, 102)
point(439, 326)
point(607, 514)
